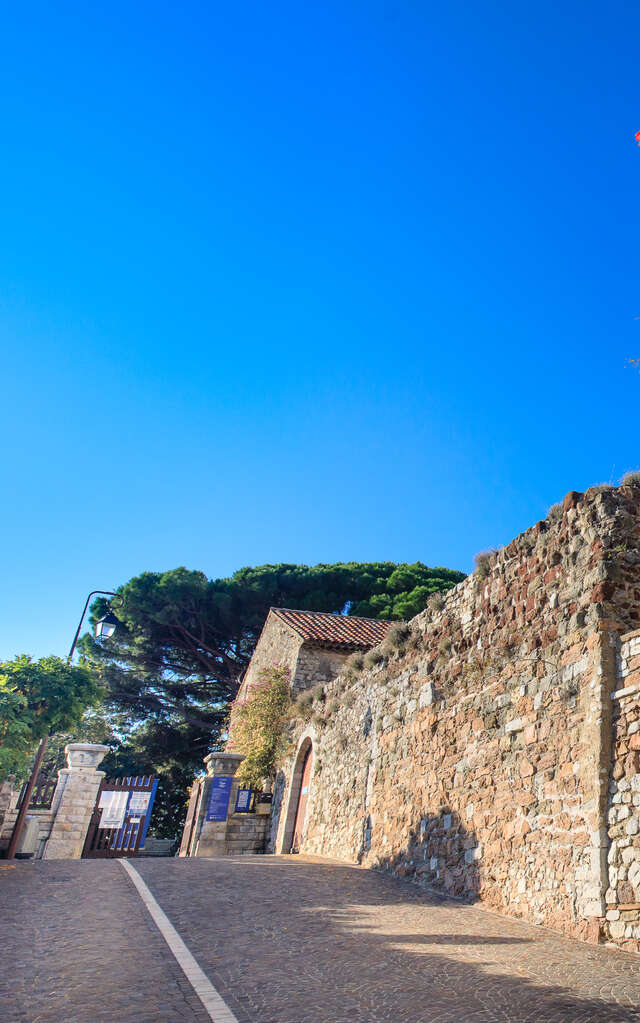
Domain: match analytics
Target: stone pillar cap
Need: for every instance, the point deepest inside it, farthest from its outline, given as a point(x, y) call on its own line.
point(84, 755)
point(223, 763)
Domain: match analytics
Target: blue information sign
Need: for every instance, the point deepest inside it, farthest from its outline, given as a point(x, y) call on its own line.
point(219, 798)
point(243, 801)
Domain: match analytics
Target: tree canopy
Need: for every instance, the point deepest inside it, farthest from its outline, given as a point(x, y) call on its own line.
point(185, 640)
point(37, 698)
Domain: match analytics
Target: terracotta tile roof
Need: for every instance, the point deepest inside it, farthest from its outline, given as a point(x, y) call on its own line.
point(343, 632)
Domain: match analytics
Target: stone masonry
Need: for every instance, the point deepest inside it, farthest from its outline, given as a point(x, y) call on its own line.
point(62, 828)
point(623, 895)
point(490, 753)
point(74, 800)
point(237, 833)
point(313, 645)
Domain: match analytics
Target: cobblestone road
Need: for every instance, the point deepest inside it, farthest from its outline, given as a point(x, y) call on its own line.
point(78, 946)
point(288, 940)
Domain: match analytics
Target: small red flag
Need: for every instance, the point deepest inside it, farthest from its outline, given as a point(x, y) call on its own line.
point(638, 137)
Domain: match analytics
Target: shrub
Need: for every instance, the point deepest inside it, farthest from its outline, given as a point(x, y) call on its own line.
point(444, 647)
point(436, 602)
point(333, 707)
point(631, 479)
point(415, 640)
point(318, 693)
point(373, 657)
point(555, 512)
point(397, 635)
point(355, 663)
point(483, 562)
point(259, 726)
point(303, 704)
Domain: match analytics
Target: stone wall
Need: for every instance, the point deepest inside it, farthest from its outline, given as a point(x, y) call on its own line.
point(308, 665)
point(278, 644)
point(317, 666)
point(238, 832)
point(476, 757)
point(622, 923)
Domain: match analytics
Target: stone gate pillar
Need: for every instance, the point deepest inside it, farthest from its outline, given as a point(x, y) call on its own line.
point(74, 799)
point(212, 834)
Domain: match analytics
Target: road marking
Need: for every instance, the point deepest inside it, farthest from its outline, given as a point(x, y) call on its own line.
point(216, 1007)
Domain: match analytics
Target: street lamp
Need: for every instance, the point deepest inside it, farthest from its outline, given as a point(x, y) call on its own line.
point(105, 628)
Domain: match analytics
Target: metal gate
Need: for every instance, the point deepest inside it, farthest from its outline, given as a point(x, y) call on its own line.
point(135, 803)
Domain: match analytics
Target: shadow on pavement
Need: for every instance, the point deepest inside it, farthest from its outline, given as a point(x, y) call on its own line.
point(287, 940)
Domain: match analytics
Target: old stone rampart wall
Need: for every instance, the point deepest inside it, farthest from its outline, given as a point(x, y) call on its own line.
point(477, 756)
point(622, 923)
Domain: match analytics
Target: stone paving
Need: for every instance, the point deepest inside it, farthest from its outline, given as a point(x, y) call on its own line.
point(78, 946)
point(287, 940)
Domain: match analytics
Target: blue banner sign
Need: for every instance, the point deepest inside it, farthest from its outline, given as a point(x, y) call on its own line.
point(243, 801)
point(219, 798)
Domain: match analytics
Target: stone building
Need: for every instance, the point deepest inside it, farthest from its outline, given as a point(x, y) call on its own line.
point(493, 752)
point(314, 647)
point(312, 644)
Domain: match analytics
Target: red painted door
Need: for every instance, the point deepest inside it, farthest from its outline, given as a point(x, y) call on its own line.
point(303, 797)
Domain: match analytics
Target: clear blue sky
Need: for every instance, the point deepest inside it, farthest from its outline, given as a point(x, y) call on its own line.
point(291, 282)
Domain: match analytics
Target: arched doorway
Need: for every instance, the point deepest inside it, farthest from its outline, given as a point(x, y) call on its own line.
point(302, 776)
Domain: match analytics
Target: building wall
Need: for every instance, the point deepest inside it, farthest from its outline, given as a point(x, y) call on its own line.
point(479, 761)
point(278, 644)
point(317, 666)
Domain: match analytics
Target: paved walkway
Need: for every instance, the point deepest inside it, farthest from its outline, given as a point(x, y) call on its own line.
point(288, 940)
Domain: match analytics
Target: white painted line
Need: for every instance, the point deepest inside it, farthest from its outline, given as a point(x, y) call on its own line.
point(216, 1007)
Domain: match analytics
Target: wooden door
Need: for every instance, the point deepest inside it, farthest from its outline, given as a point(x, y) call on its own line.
point(303, 797)
point(192, 818)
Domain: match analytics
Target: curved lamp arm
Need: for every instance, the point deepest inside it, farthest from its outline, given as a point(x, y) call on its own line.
point(105, 593)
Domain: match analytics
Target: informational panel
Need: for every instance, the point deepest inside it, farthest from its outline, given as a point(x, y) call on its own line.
point(219, 798)
point(243, 801)
point(113, 806)
point(138, 803)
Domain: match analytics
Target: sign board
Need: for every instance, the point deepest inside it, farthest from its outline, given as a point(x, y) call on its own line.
point(113, 806)
point(138, 803)
point(219, 796)
point(243, 801)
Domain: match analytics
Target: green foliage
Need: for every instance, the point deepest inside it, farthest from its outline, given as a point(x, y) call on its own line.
point(259, 726)
point(36, 699)
point(174, 664)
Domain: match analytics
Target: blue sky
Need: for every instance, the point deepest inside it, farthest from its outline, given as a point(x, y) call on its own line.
point(355, 281)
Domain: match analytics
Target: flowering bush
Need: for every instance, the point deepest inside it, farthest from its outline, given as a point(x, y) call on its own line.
point(259, 726)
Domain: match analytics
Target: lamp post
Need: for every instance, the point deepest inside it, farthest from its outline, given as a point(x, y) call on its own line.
point(105, 628)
